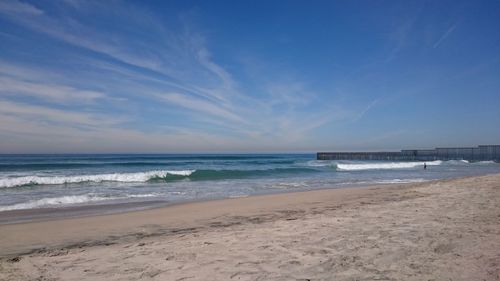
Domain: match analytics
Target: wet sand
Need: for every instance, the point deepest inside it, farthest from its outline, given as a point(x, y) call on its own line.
point(442, 230)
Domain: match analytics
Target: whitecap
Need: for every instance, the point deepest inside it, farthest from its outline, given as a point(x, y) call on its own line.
point(384, 166)
point(116, 177)
point(57, 201)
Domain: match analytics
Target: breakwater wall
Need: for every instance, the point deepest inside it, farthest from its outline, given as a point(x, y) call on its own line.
point(479, 153)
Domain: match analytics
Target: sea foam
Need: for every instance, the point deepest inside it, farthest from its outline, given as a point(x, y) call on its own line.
point(70, 200)
point(194, 175)
point(384, 166)
point(47, 202)
point(116, 177)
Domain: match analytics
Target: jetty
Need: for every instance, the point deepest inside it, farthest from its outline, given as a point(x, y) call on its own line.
point(472, 154)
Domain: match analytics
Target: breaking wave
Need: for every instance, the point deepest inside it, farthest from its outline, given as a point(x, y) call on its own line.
point(69, 200)
point(150, 176)
point(117, 177)
point(47, 202)
point(384, 166)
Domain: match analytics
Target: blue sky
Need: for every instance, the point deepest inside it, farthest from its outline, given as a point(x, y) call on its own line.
point(247, 76)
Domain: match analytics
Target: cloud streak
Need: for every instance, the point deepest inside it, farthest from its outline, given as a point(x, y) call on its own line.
point(20, 8)
point(56, 93)
point(444, 36)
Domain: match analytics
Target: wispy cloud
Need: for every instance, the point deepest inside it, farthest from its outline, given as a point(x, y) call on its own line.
point(18, 8)
point(163, 78)
point(401, 34)
point(73, 32)
point(199, 105)
point(57, 93)
point(444, 36)
point(362, 113)
point(57, 116)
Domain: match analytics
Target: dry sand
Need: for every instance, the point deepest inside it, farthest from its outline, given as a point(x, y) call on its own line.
point(443, 230)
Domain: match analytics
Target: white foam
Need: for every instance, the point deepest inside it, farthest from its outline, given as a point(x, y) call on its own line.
point(388, 181)
point(457, 162)
point(384, 166)
point(318, 163)
point(286, 185)
point(143, 195)
point(70, 200)
point(401, 181)
point(48, 202)
point(117, 177)
point(485, 162)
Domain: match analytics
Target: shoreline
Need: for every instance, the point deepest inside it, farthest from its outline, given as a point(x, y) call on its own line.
point(47, 214)
point(185, 212)
point(79, 211)
point(88, 213)
point(403, 231)
point(103, 209)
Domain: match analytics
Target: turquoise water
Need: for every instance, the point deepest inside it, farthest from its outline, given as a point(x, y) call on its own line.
point(52, 181)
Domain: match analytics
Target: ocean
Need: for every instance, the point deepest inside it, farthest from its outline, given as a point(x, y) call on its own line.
point(64, 181)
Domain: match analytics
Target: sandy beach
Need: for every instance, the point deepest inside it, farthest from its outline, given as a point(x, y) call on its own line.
point(441, 230)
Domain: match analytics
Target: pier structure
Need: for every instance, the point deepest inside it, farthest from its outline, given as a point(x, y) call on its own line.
point(472, 154)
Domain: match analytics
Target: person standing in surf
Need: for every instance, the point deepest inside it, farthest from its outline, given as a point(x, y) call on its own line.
point(425, 166)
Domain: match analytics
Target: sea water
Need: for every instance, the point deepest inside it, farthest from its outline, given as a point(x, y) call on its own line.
point(55, 181)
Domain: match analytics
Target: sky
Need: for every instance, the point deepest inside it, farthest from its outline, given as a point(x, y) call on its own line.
point(247, 76)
